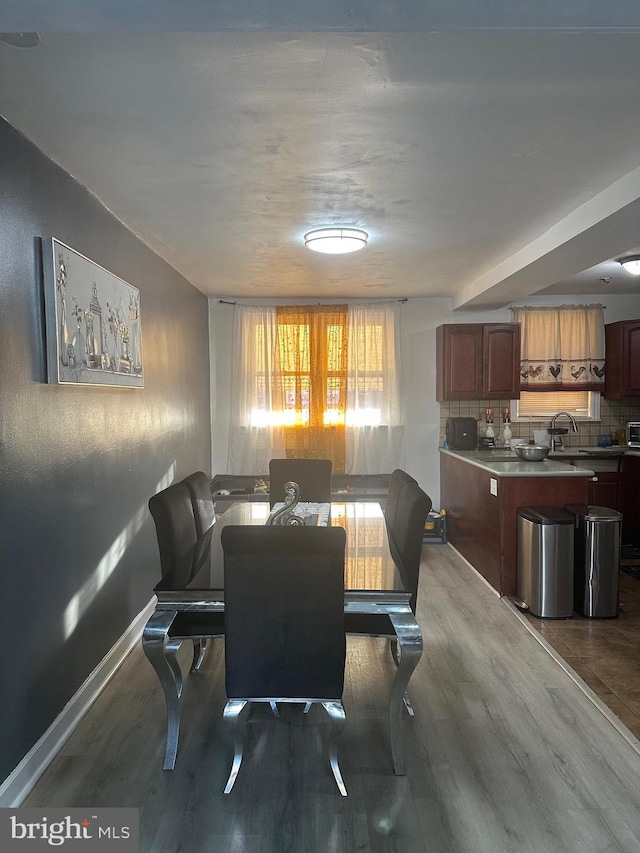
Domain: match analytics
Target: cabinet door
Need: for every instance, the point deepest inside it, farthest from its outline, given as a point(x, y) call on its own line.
point(458, 362)
point(631, 359)
point(630, 469)
point(501, 361)
point(606, 490)
point(622, 359)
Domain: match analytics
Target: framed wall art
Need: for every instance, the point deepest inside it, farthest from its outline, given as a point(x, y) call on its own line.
point(93, 323)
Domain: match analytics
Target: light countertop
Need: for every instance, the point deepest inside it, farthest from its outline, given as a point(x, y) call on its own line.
point(499, 462)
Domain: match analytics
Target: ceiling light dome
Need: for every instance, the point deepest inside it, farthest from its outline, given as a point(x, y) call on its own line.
point(336, 241)
point(631, 264)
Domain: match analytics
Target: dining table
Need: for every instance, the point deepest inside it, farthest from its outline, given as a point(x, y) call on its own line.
point(372, 585)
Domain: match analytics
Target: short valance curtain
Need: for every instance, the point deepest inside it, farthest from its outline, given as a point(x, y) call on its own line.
point(562, 348)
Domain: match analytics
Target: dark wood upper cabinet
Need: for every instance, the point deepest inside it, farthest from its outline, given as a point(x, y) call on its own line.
point(622, 359)
point(478, 361)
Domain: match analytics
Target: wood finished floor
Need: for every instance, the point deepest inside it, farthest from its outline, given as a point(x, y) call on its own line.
point(604, 652)
point(505, 752)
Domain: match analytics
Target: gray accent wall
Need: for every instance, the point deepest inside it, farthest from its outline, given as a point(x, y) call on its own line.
point(78, 553)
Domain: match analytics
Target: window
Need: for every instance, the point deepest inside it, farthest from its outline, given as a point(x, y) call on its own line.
point(320, 381)
point(542, 406)
point(308, 364)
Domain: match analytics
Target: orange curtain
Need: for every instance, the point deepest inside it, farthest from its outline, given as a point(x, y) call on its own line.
point(311, 367)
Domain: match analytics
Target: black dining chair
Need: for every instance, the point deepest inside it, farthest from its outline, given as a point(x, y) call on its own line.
point(406, 536)
point(312, 475)
point(284, 623)
point(201, 500)
point(182, 554)
point(397, 481)
point(411, 508)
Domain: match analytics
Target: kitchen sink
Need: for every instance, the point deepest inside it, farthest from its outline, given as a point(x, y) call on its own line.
point(603, 451)
point(493, 456)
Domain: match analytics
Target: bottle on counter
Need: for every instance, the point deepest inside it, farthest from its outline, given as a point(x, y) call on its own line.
point(507, 435)
point(488, 431)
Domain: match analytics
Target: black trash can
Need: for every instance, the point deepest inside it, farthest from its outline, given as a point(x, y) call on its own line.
point(597, 560)
point(545, 561)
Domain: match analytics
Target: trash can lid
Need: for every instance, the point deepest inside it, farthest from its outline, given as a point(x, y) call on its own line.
point(545, 515)
point(603, 513)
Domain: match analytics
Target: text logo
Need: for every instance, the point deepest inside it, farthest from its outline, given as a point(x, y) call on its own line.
point(31, 830)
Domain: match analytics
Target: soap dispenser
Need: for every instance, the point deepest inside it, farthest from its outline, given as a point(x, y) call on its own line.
point(489, 433)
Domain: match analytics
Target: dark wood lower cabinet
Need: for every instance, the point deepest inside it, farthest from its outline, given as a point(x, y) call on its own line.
point(630, 475)
point(606, 490)
point(484, 527)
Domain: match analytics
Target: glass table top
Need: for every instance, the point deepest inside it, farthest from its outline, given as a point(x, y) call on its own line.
point(369, 566)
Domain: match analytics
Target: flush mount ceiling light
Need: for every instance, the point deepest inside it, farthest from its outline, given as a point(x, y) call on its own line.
point(336, 241)
point(631, 264)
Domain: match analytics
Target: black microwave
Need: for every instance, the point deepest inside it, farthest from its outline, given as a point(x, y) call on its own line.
point(633, 434)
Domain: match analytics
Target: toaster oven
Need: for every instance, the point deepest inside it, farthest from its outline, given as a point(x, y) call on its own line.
point(633, 434)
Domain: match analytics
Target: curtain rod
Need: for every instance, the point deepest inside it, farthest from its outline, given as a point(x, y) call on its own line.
point(372, 302)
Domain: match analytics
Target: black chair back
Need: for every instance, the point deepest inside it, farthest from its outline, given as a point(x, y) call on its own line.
point(312, 475)
point(284, 612)
point(397, 481)
point(201, 500)
point(172, 513)
point(407, 534)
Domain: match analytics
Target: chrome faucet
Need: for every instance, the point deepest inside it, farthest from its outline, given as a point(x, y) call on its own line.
point(556, 432)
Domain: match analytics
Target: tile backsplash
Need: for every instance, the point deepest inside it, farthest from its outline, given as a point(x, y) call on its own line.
point(614, 415)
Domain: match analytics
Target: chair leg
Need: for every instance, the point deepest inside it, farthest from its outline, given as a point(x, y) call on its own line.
point(336, 714)
point(232, 713)
point(171, 650)
point(199, 651)
point(395, 654)
point(274, 708)
point(307, 707)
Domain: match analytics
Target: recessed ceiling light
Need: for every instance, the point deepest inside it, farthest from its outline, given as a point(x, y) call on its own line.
point(336, 241)
point(631, 264)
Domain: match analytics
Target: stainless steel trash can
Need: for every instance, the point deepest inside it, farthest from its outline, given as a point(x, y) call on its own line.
point(597, 560)
point(545, 561)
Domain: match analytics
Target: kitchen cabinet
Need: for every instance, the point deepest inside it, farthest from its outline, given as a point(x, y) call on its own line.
point(630, 469)
point(622, 359)
point(606, 490)
point(482, 513)
point(478, 361)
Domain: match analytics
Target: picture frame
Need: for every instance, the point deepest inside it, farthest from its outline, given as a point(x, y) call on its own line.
point(93, 321)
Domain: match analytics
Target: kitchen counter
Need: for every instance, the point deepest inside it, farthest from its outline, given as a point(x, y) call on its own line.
point(504, 463)
point(482, 492)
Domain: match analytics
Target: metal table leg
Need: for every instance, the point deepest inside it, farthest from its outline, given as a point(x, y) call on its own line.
point(154, 643)
point(410, 640)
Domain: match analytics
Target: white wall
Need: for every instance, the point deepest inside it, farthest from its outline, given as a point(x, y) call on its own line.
point(419, 319)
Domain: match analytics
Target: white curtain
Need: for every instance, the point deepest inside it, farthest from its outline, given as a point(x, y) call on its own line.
point(253, 441)
point(561, 348)
point(375, 434)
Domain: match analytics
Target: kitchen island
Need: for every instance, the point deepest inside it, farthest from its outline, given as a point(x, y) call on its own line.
point(482, 492)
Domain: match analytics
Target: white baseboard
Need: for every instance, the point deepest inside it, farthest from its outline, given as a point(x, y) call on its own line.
point(19, 783)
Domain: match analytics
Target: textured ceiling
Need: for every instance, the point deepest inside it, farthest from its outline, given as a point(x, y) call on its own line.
point(486, 166)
